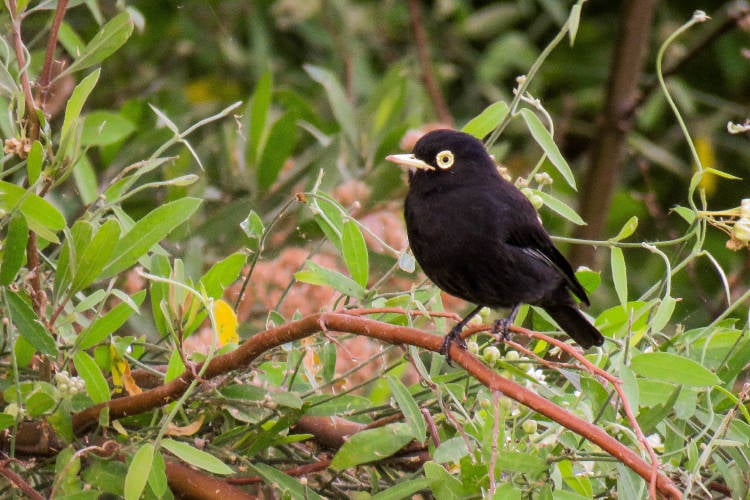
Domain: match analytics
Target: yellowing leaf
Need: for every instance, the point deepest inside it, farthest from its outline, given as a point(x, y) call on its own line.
point(226, 323)
point(121, 376)
point(705, 149)
point(187, 430)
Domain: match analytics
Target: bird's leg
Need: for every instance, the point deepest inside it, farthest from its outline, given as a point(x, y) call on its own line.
point(455, 335)
point(502, 325)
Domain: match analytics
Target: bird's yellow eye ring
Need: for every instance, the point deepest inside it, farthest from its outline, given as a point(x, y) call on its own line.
point(444, 159)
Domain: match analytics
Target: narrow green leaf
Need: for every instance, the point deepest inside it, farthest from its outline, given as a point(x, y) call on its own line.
point(281, 140)
point(673, 368)
point(149, 231)
point(107, 40)
point(258, 112)
point(542, 137)
point(317, 275)
point(96, 384)
point(85, 180)
point(409, 407)
point(75, 103)
point(442, 483)
point(41, 216)
point(371, 445)
point(101, 128)
point(663, 314)
point(330, 220)
point(630, 387)
point(283, 483)
point(28, 325)
point(96, 255)
point(403, 489)
point(222, 274)
point(138, 471)
point(196, 457)
point(574, 20)
point(253, 226)
point(355, 252)
point(560, 207)
point(14, 248)
point(486, 121)
point(720, 173)
point(157, 478)
point(342, 108)
point(619, 274)
point(34, 162)
point(102, 327)
point(69, 39)
point(627, 229)
point(576, 482)
point(685, 213)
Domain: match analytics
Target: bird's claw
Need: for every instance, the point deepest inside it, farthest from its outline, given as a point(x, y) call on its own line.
point(453, 336)
point(502, 328)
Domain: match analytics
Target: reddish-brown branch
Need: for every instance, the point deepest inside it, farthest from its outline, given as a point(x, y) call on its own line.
point(18, 46)
point(187, 482)
point(263, 341)
point(18, 481)
point(423, 54)
point(49, 56)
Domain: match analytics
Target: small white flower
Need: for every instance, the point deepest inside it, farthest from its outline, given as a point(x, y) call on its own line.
point(654, 440)
point(537, 375)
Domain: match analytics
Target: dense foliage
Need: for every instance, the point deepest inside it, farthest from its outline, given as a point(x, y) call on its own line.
point(180, 179)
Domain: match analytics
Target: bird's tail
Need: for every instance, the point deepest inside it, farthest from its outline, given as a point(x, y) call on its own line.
point(574, 324)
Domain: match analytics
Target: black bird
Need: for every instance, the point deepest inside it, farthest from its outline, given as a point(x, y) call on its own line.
point(479, 238)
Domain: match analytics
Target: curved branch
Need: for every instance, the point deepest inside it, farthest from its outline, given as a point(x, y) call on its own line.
point(309, 325)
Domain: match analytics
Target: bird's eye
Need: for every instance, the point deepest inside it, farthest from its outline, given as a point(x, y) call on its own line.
point(444, 159)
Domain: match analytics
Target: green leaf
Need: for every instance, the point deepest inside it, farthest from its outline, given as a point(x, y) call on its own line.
point(149, 231)
point(84, 177)
point(222, 274)
point(542, 136)
point(559, 207)
point(253, 226)
point(283, 483)
point(329, 219)
point(403, 489)
point(342, 108)
point(685, 212)
point(34, 162)
point(517, 461)
point(28, 325)
point(627, 229)
point(6, 420)
point(372, 444)
point(138, 471)
point(355, 252)
point(317, 275)
point(157, 477)
point(96, 384)
point(69, 39)
point(408, 406)
point(663, 314)
point(107, 40)
point(96, 255)
point(451, 451)
point(589, 279)
point(258, 111)
point(75, 104)
point(673, 368)
point(574, 20)
point(619, 274)
point(578, 483)
point(14, 249)
point(41, 216)
point(442, 483)
point(102, 327)
point(196, 457)
point(278, 147)
point(486, 121)
point(101, 128)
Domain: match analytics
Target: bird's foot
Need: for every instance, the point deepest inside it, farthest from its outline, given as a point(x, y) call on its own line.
point(453, 336)
point(502, 327)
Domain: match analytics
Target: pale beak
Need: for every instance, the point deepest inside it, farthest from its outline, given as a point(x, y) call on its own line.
point(409, 161)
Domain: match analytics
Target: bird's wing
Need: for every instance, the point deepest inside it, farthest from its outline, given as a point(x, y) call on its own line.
point(534, 241)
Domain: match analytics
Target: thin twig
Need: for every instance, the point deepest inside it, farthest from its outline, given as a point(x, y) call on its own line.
point(49, 56)
point(423, 53)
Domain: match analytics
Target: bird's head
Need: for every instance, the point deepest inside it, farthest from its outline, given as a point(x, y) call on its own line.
point(447, 156)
